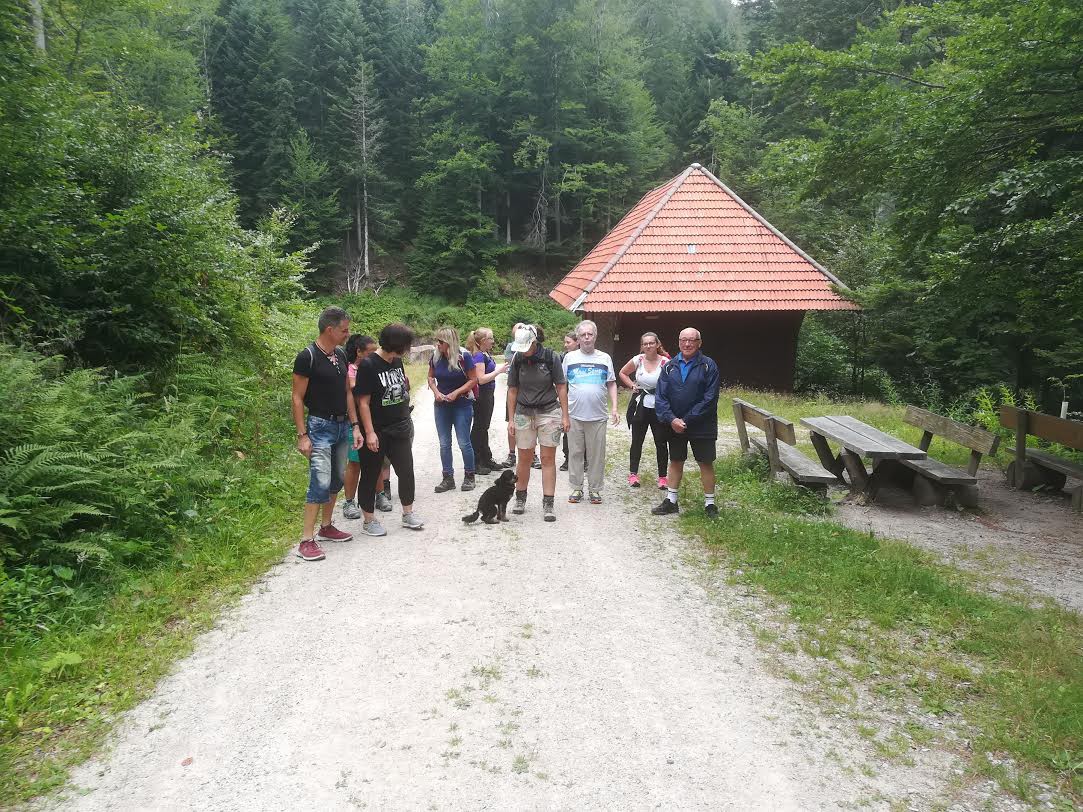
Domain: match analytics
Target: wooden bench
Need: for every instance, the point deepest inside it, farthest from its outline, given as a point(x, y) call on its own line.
point(1032, 468)
point(802, 470)
point(935, 481)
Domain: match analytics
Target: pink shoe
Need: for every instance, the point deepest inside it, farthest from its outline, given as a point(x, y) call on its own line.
point(633, 480)
point(331, 533)
point(309, 550)
point(662, 483)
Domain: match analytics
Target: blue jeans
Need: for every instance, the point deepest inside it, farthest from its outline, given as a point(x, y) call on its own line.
point(458, 414)
point(331, 440)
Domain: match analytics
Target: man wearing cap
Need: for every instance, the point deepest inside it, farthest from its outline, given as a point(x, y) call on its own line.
point(538, 406)
point(686, 401)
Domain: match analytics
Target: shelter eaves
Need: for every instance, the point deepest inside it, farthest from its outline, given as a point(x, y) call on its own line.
point(693, 245)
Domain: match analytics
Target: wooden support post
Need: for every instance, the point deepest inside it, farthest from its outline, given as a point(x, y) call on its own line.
point(739, 419)
point(975, 461)
point(926, 440)
point(859, 478)
point(1077, 499)
point(823, 451)
point(772, 447)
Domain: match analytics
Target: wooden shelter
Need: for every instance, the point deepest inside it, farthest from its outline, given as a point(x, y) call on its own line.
point(691, 253)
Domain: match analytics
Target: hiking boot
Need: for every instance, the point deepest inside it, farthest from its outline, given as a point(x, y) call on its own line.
point(496, 466)
point(309, 550)
point(483, 469)
point(711, 511)
point(564, 466)
point(575, 497)
point(547, 509)
point(446, 484)
point(468, 483)
point(331, 533)
point(351, 510)
point(383, 502)
point(412, 520)
point(537, 463)
point(373, 528)
point(595, 498)
point(663, 483)
point(520, 503)
point(666, 508)
point(510, 461)
point(633, 480)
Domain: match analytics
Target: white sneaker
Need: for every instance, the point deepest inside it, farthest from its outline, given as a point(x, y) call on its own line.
point(351, 510)
point(373, 528)
point(412, 520)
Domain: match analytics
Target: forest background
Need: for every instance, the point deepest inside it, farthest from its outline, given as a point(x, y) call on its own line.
point(178, 179)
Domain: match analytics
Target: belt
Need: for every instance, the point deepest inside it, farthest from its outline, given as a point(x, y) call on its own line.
point(338, 418)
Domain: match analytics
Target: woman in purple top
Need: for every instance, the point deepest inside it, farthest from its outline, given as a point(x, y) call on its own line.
point(452, 377)
point(480, 343)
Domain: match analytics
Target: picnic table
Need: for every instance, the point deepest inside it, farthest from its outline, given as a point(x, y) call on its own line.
point(858, 441)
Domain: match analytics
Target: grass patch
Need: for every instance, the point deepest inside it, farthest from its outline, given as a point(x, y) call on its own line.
point(910, 626)
point(62, 693)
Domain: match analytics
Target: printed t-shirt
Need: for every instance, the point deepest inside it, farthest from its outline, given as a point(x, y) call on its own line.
point(588, 378)
point(484, 358)
point(535, 376)
point(390, 391)
point(326, 392)
point(450, 378)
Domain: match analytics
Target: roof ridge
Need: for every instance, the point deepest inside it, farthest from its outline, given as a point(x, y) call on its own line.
point(613, 260)
point(773, 230)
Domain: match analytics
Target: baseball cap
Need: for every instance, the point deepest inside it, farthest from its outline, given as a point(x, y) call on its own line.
point(524, 337)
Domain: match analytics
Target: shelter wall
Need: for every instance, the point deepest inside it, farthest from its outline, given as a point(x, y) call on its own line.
point(757, 349)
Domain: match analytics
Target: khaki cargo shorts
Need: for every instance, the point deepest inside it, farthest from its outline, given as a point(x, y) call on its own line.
point(539, 428)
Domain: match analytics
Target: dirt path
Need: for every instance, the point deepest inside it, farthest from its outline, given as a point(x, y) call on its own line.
point(522, 666)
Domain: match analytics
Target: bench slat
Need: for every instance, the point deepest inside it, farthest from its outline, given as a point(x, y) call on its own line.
point(939, 472)
point(758, 417)
point(980, 440)
point(1066, 432)
point(1046, 460)
point(858, 443)
point(904, 448)
point(797, 464)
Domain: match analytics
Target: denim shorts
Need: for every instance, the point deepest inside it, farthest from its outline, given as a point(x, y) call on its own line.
point(331, 440)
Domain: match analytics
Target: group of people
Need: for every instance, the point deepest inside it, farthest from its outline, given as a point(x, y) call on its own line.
point(351, 408)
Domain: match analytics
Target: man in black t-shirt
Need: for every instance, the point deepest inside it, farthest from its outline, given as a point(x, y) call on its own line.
point(383, 402)
point(321, 386)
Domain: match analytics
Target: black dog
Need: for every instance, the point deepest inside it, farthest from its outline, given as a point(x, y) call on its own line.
point(493, 504)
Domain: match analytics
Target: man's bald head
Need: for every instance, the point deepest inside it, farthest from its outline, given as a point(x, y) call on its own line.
point(689, 341)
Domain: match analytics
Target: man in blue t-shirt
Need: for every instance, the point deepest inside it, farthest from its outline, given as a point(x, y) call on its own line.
point(592, 386)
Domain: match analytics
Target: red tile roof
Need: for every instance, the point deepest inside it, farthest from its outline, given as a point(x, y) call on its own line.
point(692, 244)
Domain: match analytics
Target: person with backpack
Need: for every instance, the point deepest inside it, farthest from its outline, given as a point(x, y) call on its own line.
point(480, 345)
point(452, 375)
point(325, 435)
point(640, 375)
point(538, 405)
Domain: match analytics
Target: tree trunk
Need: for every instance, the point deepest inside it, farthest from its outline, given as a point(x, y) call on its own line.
point(507, 233)
point(365, 211)
point(37, 18)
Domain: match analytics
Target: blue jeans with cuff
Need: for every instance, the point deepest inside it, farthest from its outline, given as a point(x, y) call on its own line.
point(331, 441)
point(458, 415)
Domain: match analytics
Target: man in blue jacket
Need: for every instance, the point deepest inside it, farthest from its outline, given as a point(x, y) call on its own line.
point(686, 400)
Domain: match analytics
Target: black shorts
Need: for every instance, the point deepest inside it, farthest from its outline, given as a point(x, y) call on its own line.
point(703, 448)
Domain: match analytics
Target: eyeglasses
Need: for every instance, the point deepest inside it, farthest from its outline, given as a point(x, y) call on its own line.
point(687, 340)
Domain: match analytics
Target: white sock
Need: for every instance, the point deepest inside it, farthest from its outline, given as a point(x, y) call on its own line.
point(708, 499)
point(671, 495)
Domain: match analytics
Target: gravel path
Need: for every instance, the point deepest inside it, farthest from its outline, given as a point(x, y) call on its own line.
point(522, 666)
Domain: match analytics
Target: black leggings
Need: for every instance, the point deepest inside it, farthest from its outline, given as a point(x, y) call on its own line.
point(400, 452)
point(639, 434)
point(479, 431)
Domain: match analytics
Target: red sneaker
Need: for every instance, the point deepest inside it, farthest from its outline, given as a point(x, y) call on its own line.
point(331, 533)
point(309, 550)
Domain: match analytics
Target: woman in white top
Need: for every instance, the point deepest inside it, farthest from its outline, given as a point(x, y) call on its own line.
point(640, 374)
